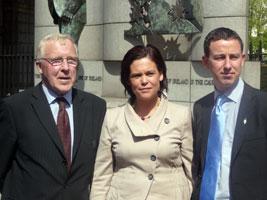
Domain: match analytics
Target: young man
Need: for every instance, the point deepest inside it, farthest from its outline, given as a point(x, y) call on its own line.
point(49, 133)
point(230, 160)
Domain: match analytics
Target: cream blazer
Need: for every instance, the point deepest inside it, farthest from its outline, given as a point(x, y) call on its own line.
point(139, 160)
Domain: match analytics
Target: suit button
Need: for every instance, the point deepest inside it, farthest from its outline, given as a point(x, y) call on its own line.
point(65, 162)
point(153, 158)
point(166, 120)
point(65, 186)
point(150, 176)
point(156, 138)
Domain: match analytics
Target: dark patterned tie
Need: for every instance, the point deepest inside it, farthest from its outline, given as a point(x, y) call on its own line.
point(63, 127)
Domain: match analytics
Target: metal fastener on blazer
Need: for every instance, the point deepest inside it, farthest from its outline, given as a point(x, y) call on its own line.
point(245, 121)
point(166, 120)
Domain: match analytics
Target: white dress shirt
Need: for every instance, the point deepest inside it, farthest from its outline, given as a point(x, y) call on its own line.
point(230, 107)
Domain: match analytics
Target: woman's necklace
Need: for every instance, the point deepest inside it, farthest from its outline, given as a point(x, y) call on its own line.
point(150, 113)
point(146, 117)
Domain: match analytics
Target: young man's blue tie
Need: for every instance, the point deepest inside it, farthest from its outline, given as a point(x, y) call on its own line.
point(213, 155)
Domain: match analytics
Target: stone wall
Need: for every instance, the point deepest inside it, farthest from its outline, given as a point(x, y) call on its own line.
point(102, 46)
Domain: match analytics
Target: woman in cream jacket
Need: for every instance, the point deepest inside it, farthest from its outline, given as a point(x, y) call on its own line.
point(145, 149)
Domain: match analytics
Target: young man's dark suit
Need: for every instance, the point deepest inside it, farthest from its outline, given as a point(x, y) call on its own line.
point(32, 161)
point(248, 170)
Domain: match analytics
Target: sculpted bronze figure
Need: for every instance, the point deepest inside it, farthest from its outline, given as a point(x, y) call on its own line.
point(70, 15)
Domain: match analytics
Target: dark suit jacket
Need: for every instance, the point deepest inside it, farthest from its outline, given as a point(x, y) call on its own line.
point(248, 170)
point(32, 160)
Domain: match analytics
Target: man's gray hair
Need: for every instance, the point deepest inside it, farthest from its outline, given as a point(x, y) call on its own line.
point(54, 37)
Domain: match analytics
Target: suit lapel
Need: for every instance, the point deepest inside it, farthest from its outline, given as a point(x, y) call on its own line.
point(79, 116)
point(43, 113)
point(138, 127)
point(206, 117)
point(156, 119)
point(241, 125)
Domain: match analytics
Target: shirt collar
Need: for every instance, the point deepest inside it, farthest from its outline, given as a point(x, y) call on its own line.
point(51, 96)
point(235, 92)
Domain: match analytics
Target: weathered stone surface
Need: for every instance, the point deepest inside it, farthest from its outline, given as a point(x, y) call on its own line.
point(116, 11)
point(102, 46)
point(178, 74)
point(201, 81)
point(112, 86)
point(90, 77)
point(222, 8)
point(91, 43)
point(94, 12)
point(42, 16)
point(239, 24)
point(251, 73)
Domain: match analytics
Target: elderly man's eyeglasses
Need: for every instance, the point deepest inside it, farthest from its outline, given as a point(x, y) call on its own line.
point(56, 62)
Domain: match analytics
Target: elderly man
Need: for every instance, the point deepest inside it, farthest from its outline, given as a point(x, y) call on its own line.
point(230, 129)
point(49, 133)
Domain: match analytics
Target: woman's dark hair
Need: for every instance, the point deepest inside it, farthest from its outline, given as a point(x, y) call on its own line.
point(137, 53)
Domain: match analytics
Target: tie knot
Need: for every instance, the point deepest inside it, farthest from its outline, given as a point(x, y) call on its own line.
point(220, 100)
point(61, 101)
